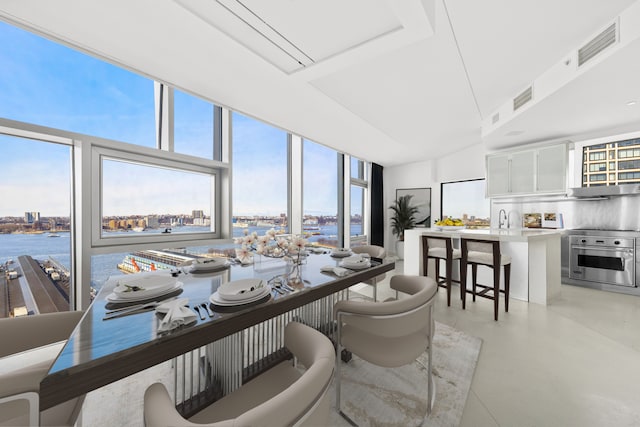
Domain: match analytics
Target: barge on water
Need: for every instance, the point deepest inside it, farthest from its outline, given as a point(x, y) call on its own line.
point(151, 260)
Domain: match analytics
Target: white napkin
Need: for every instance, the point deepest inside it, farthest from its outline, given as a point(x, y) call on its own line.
point(338, 271)
point(176, 314)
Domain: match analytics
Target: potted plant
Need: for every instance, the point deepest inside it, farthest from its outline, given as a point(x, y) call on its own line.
point(403, 219)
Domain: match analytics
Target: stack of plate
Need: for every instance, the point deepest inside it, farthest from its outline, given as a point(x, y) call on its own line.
point(144, 286)
point(240, 292)
point(208, 265)
point(356, 262)
point(341, 252)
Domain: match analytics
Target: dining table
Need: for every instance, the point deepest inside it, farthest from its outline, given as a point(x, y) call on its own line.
point(103, 350)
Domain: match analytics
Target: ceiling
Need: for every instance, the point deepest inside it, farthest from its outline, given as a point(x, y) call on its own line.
point(388, 81)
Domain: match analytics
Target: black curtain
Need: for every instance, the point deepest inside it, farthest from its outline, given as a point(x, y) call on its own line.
point(377, 206)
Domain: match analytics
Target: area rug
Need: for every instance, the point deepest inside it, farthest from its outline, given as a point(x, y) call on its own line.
point(375, 396)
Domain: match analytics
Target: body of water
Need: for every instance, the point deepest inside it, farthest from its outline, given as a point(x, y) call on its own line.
point(42, 247)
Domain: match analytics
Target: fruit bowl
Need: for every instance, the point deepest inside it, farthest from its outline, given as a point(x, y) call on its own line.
point(449, 227)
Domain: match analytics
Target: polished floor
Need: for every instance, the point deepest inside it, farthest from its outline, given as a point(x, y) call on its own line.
point(575, 362)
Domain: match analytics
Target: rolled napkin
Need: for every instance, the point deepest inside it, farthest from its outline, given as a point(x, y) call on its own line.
point(176, 314)
point(338, 271)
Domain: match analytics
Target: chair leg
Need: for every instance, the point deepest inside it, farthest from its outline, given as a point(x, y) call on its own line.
point(449, 268)
point(463, 284)
point(507, 277)
point(375, 289)
point(337, 375)
point(496, 291)
point(474, 279)
point(437, 269)
point(429, 369)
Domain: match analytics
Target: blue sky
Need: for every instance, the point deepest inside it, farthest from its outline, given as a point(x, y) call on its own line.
point(47, 84)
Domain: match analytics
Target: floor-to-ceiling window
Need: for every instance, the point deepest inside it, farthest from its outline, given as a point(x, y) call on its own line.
point(359, 202)
point(147, 169)
point(52, 85)
point(139, 195)
point(320, 194)
point(260, 176)
point(194, 126)
point(35, 238)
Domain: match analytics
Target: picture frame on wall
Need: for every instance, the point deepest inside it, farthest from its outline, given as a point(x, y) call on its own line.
point(422, 200)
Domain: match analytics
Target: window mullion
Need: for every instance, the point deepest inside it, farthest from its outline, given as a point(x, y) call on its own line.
point(164, 108)
point(295, 184)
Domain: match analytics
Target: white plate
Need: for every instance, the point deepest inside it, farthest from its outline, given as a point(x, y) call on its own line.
point(341, 252)
point(207, 264)
point(216, 299)
point(356, 262)
point(112, 297)
point(149, 284)
point(241, 290)
point(356, 266)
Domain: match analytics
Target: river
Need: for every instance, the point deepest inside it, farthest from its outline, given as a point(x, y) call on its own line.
point(41, 247)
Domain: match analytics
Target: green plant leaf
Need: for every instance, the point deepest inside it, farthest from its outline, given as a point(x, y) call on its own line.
point(403, 216)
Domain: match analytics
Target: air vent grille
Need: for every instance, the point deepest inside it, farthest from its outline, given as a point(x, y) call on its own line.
point(597, 45)
point(495, 118)
point(523, 98)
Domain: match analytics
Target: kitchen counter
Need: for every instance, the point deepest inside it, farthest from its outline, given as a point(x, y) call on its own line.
point(502, 234)
point(535, 253)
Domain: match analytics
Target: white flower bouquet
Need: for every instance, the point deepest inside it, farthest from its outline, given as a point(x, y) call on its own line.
point(272, 245)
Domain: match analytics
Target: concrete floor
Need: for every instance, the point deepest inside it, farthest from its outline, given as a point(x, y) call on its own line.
point(575, 362)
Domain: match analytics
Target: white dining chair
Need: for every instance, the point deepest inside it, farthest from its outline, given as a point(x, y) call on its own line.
point(282, 396)
point(30, 345)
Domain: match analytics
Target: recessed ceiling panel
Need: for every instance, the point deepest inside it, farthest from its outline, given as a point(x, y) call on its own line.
point(325, 28)
point(293, 35)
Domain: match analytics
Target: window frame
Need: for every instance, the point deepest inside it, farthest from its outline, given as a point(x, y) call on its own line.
point(153, 158)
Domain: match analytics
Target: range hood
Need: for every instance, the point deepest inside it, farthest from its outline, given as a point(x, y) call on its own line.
point(605, 191)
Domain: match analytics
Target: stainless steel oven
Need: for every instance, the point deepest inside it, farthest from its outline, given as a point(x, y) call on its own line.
point(603, 259)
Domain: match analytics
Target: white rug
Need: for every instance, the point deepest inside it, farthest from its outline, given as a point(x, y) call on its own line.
point(371, 396)
point(375, 396)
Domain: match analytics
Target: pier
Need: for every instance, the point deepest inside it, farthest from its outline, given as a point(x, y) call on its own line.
point(33, 291)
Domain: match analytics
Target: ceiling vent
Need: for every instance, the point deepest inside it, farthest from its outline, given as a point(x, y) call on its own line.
point(598, 44)
point(523, 98)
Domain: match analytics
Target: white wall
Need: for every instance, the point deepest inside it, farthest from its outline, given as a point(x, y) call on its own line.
point(462, 165)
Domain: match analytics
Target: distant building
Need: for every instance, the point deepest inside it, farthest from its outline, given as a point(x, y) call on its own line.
point(197, 214)
point(31, 217)
point(612, 163)
point(152, 221)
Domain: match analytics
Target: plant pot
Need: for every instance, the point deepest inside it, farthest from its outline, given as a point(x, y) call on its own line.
point(400, 249)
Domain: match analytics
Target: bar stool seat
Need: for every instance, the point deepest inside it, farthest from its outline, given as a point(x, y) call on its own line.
point(440, 248)
point(477, 252)
point(487, 258)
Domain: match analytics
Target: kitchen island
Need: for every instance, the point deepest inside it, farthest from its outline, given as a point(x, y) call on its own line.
point(535, 254)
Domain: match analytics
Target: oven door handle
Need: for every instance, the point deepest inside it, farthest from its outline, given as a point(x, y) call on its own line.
point(601, 249)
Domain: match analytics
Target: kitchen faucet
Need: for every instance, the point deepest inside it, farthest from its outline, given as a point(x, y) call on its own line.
point(502, 217)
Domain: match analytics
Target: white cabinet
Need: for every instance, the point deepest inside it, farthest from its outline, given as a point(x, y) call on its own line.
point(523, 173)
point(529, 171)
point(552, 169)
point(498, 174)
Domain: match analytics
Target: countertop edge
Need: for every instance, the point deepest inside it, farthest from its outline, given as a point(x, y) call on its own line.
point(505, 235)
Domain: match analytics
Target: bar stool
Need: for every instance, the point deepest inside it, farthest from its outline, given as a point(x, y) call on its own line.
point(441, 248)
point(477, 252)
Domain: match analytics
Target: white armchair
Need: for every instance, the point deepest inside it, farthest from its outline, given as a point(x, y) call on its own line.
point(30, 344)
point(374, 252)
point(389, 334)
point(281, 396)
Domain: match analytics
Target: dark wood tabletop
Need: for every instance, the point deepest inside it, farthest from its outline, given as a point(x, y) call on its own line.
point(100, 352)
